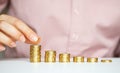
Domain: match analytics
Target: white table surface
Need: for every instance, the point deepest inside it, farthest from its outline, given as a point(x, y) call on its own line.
point(22, 65)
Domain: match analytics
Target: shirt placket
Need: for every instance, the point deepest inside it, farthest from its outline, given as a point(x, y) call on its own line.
point(73, 34)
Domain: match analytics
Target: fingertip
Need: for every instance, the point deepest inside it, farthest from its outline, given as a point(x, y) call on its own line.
point(33, 38)
point(38, 41)
point(35, 43)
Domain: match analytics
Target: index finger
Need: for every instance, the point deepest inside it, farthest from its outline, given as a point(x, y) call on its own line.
point(28, 32)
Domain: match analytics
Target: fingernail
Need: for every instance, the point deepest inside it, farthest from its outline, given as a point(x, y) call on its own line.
point(2, 48)
point(22, 38)
point(12, 44)
point(33, 38)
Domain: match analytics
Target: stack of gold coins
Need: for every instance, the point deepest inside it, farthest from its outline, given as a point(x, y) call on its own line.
point(78, 59)
point(64, 57)
point(106, 61)
point(50, 56)
point(35, 53)
point(92, 60)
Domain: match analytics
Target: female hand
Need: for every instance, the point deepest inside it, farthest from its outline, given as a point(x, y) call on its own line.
point(12, 30)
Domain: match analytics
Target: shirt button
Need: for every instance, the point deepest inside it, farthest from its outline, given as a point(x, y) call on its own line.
point(74, 37)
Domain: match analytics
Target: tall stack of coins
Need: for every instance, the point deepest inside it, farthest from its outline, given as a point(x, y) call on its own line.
point(64, 57)
point(92, 60)
point(35, 53)
point(50, 56)
point(78, 59)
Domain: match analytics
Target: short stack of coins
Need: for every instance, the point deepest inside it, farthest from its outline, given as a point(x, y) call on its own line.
point(106, 61)
point(64, 57)
point(50, 56)
point(78, 59)
point(35, 53)
point(92, 60)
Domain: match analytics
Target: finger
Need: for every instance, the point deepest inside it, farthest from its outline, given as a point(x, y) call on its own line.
point(6, 40)
point(31, 35)
point(2, 48)
point(11, 31)
point(29, 42)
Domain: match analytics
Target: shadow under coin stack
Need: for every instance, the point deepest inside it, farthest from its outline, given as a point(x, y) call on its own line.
point(35, 53)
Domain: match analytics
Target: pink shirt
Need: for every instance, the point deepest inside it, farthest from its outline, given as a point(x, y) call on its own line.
point(89, 28)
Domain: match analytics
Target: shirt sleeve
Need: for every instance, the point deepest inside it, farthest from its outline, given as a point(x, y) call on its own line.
point(3, 4)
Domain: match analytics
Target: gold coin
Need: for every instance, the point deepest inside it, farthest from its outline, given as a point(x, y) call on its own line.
point(35, 53)
point(35, 46)
point(64, 57)
point(78, 59)
point(92, 60)
point(50, 56)
point(106, 61)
